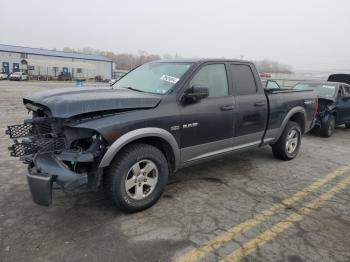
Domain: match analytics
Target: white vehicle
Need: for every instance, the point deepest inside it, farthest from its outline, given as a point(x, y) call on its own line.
point(112, 82)
point(19, 76)
point(3, 76)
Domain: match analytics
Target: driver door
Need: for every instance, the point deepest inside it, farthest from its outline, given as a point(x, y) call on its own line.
point(207, 125)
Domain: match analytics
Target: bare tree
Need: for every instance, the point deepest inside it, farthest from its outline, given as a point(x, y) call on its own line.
point(269, 66)
point(129, 61)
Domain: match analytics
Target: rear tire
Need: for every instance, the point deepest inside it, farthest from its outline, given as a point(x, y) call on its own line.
point(288, 145)
point(328, 126)
point(136, 178)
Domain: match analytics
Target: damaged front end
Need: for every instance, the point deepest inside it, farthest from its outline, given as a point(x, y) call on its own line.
point(55, 153)
point(326, 107)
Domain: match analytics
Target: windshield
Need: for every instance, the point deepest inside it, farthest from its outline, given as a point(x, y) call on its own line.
point(155, 77)
point(321, 89)
point(17, 73)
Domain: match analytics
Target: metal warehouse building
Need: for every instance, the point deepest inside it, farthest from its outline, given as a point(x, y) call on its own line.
point(41, 63)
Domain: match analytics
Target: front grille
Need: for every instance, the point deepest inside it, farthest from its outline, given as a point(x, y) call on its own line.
point(41, 145)
point(42, 125)
point(22, 130)
point(37, 135)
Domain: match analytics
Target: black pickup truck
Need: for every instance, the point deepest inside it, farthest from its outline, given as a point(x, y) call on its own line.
point(160, 117)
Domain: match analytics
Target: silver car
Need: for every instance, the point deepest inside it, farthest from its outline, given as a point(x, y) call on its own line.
point(3, 76)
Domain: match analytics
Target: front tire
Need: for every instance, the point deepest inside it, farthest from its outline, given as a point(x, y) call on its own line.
point(328, 126)
point(288, 145)
point(347, 125)
point(136, 178)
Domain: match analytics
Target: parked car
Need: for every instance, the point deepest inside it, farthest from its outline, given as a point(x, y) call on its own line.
point(157, 119)
point(334, 105)
point(19, 76)
point(3, 76)
point(112, 81)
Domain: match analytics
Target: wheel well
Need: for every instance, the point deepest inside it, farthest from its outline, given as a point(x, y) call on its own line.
point(300, 119)
point(159, 143)
point(335, 116)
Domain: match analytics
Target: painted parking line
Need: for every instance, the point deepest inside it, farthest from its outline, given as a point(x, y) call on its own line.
point(201, 251)
point(278, 228)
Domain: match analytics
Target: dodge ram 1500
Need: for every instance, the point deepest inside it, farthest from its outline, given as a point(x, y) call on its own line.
point(157, 119)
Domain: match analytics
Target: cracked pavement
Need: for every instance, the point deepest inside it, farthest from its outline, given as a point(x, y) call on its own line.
point(200, 203)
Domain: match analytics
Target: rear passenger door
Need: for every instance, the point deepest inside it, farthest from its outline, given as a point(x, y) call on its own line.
point(251, 103)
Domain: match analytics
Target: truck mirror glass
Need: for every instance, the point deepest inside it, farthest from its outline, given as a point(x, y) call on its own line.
point(197, 92)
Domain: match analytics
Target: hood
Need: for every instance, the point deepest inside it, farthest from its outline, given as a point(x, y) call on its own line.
point(326, 99)
point(68, 102)
point(341, 78)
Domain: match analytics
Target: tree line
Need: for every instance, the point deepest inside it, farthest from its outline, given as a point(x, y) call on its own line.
point(128, 61)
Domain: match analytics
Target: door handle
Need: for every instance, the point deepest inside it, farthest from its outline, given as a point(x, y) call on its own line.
point(226, 108)
point(260, 103)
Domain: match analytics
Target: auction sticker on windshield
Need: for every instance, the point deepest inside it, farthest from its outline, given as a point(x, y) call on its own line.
point(169, 79)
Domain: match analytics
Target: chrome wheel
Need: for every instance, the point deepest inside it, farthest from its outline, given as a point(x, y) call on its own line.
point(292, 141)
point(141, 180)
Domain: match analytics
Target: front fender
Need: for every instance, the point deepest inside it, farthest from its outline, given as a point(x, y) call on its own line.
point(137, 134)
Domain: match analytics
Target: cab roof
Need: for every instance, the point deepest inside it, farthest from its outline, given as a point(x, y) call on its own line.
point(200, 60)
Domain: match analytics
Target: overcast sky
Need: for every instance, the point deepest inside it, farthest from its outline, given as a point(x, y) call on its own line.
point(307, 34)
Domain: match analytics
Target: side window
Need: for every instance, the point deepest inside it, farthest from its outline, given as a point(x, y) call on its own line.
point(340, 91)
point(346, 90)
point(243, 79)
point(214, 77)
point(272, 85)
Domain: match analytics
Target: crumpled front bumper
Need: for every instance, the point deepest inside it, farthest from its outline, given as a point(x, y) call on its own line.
point(40, 186)
point(46, 169)
point(48, 157)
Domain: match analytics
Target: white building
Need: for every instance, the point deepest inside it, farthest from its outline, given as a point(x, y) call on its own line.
point(42, 63)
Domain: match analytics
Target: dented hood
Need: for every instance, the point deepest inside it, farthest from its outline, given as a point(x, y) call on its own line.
point(68, 102)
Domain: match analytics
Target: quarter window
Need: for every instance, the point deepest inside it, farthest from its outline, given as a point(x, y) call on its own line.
point(346, 90)
point(214, 77)
point(243, 79)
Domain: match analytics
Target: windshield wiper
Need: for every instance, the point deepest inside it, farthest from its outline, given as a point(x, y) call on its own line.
point(133, 89)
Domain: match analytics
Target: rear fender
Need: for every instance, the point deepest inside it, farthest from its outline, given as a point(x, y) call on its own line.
point(288, 117)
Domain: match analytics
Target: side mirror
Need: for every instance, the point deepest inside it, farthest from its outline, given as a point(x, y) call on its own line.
point(197, 92)
point(271, 84)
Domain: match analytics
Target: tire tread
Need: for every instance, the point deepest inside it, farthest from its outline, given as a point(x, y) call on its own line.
point(278, 149)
